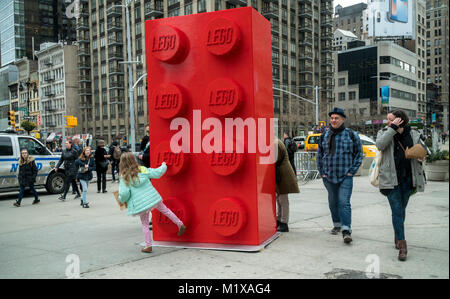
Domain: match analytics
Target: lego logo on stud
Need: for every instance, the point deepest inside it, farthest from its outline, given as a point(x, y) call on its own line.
point(225, 163)
point(168, 44)
point(167, 101)
point(227, 216)
point(224, 96)
point(222, 36)
point(176, 162)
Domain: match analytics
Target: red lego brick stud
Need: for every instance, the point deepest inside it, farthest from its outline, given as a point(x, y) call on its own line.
point(210, 112)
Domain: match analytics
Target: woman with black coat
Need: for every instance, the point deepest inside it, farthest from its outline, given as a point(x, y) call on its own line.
point(101, 165)
point(85, 165)
point(27, 176)
point(68, 157)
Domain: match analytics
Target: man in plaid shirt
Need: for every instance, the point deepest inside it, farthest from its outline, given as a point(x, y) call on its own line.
point(338, 160)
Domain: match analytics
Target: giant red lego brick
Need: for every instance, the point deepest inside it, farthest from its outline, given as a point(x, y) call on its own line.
point(205, 70)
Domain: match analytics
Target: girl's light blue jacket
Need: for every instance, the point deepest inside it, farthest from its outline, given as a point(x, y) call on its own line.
point(140, 195)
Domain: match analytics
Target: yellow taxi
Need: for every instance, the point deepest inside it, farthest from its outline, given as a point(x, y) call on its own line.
point(312, 143)
point(368, 145)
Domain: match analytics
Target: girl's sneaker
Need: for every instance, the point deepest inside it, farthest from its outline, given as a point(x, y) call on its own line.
point(181, 230)
point(146, 249)
point(86, 206)
point(16, 204)
point(36, 201)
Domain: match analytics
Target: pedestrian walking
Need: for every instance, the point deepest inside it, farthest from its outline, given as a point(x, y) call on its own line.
point(101, 165)
point(338, 159)
point(145, 148)
point(68, 157)
point(115, 152)
point(85, 165)
point(76, 146)
point(27, 176)
point(136, 189)
point(291, 147)
point(286, 182)
point(444, 137)
point(399, 177)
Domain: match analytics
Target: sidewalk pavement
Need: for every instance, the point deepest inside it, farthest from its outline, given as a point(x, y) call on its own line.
point(107, 241)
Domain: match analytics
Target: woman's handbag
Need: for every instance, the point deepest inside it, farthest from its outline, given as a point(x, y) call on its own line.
point(415, 152)
point(104, 164)
point(82, 169)
point(374, 171)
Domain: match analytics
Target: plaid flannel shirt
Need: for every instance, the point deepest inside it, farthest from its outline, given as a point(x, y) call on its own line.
point(346, 160)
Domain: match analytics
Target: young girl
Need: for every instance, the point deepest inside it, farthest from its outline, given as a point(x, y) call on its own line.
point(27, 176)
point(85, 165)
point(137, 191)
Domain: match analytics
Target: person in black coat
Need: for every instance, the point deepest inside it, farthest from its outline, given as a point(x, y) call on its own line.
point(68, 157)
point(101, 165)
point(114, 161)
point(27, 176)
point(85, 165)
point(145, 148)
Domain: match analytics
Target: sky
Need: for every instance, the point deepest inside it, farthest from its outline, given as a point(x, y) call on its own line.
point(345, 3)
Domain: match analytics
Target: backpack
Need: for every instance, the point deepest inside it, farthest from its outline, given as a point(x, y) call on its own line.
point(117, 153)
point(292, 146)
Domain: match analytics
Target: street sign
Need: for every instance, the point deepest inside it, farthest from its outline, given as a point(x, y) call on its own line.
point(433, 118)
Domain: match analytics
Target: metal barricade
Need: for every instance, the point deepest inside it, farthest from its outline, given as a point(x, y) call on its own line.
point(306, 165)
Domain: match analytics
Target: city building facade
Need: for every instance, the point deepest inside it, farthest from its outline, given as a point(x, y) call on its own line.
point(25, 24)
point(437, 48)
point(341, 38)
point(58, 88)
point(8, 74)
point(301, 56)
point(360, 74)
point(351, 18)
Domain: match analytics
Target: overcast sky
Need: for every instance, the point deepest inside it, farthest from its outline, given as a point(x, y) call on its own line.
point(345, 3)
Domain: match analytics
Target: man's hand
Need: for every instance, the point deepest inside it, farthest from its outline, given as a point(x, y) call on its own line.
point(56, 169)
point(349, 174)
point(324, 176)
point(140, 157)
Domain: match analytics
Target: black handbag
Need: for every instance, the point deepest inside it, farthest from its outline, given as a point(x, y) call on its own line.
point(104, 164)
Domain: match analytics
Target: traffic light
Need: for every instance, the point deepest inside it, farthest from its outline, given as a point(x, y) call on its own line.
point(12, 118)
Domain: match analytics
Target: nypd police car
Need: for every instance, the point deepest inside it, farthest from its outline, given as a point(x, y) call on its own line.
point(10, 146)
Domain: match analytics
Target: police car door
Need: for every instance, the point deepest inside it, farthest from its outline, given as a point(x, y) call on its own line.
point(45, 161)
point(8, 163)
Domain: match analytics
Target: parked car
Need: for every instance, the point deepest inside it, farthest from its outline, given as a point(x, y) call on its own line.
point(10, 146)
point(300, 141)
point(368, 145)
point(312, 143)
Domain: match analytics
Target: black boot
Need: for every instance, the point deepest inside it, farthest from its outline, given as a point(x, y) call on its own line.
point(283, 227)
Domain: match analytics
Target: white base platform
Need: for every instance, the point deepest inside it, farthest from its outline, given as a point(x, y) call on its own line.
point(214, 246)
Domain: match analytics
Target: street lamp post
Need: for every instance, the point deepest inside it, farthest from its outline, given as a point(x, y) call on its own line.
point(130, 76)
point(316, 103)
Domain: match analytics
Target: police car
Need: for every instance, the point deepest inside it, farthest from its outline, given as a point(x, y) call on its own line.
point(10, 146)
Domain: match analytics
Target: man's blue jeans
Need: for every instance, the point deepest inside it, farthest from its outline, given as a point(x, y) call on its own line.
point(398, 199)
point(339, 202)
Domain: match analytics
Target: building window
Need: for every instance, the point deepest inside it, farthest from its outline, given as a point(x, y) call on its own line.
point(341, 96)
point(352, 95)
point(341, 82)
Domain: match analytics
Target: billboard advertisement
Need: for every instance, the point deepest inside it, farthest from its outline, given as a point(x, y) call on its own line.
point(391, 18)
point(385, 94)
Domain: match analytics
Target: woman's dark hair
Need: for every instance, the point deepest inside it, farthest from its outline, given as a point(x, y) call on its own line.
point(402, 115)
